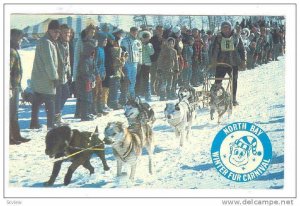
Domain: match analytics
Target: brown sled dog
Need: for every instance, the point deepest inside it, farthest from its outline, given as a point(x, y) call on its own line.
point(128, 145)
point(63, 144)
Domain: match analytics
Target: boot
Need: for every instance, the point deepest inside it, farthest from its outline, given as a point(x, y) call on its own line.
point(21, 139)
point(234, 102)
point(13, 141)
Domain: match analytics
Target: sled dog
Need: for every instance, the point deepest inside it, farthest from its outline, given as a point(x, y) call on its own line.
point(180, 116)
point(128, 144)
point(220, 101)
point(63, 143)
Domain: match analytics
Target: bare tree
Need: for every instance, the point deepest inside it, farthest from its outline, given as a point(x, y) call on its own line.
point(158, 20)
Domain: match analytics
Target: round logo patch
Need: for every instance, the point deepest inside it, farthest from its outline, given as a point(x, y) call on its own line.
point(241, 151)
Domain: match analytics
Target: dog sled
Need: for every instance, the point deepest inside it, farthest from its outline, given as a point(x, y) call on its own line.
point(218, 96)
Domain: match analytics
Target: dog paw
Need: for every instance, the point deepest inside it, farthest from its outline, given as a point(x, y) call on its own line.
point(67, 181)
point(106, 168)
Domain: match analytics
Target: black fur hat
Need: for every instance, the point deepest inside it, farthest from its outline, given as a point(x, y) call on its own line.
point(54, 24)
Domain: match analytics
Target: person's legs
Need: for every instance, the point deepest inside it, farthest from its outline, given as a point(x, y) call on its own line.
point(163, 89)
point(169, 85)
point(114, 86)
point(132, 72)
point(153, 74)
point(173, 80)
point(49, 107)
point(146, 89)
point(14, 132)
point(58, 98)
point(124, 89)
point(76, 94)
point(234, 79)
point(220, 73)
point(36, 102)
point(65, 95)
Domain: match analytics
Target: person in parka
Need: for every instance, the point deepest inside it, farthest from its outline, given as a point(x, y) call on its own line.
point(167, 66)
point(86, 80)
point(118, 59)
point(228, 48)
point(100, 58)
point(16, 71)
point(44, 76)
point(133, 46)
point(64, 73)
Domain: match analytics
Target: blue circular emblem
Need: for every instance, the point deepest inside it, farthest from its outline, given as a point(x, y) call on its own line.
point(241, 151)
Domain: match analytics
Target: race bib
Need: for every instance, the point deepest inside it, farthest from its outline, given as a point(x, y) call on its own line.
point(227, 44)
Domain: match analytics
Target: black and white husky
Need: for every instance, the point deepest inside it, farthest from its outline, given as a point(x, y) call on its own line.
point(180, 116)
point(191, 94)
point(128, 145)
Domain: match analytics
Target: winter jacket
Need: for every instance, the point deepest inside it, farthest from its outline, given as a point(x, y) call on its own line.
point(45, 65)
point(228, 50)
point(134, 47)
point(16, 70)
point(64, 65)
point(168, 61)
point(148, 50)
point(100, 63)
point(85, 76)
point(118, 61)
point(198, 45)
point(77, 53)
point(157, 44)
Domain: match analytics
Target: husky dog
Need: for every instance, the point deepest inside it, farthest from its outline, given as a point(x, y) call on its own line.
point(128, 145)
point(219, 100)
point(63, 144)
point(138, 112)
point(180, 116)
point(190, 93)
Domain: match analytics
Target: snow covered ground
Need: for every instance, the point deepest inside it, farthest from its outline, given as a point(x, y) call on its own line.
point(262, 102)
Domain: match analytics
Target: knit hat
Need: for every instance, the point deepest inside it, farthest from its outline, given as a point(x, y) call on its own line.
point(16, 33)
point(54, 24)
point(248, 143)
point(226, 23)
